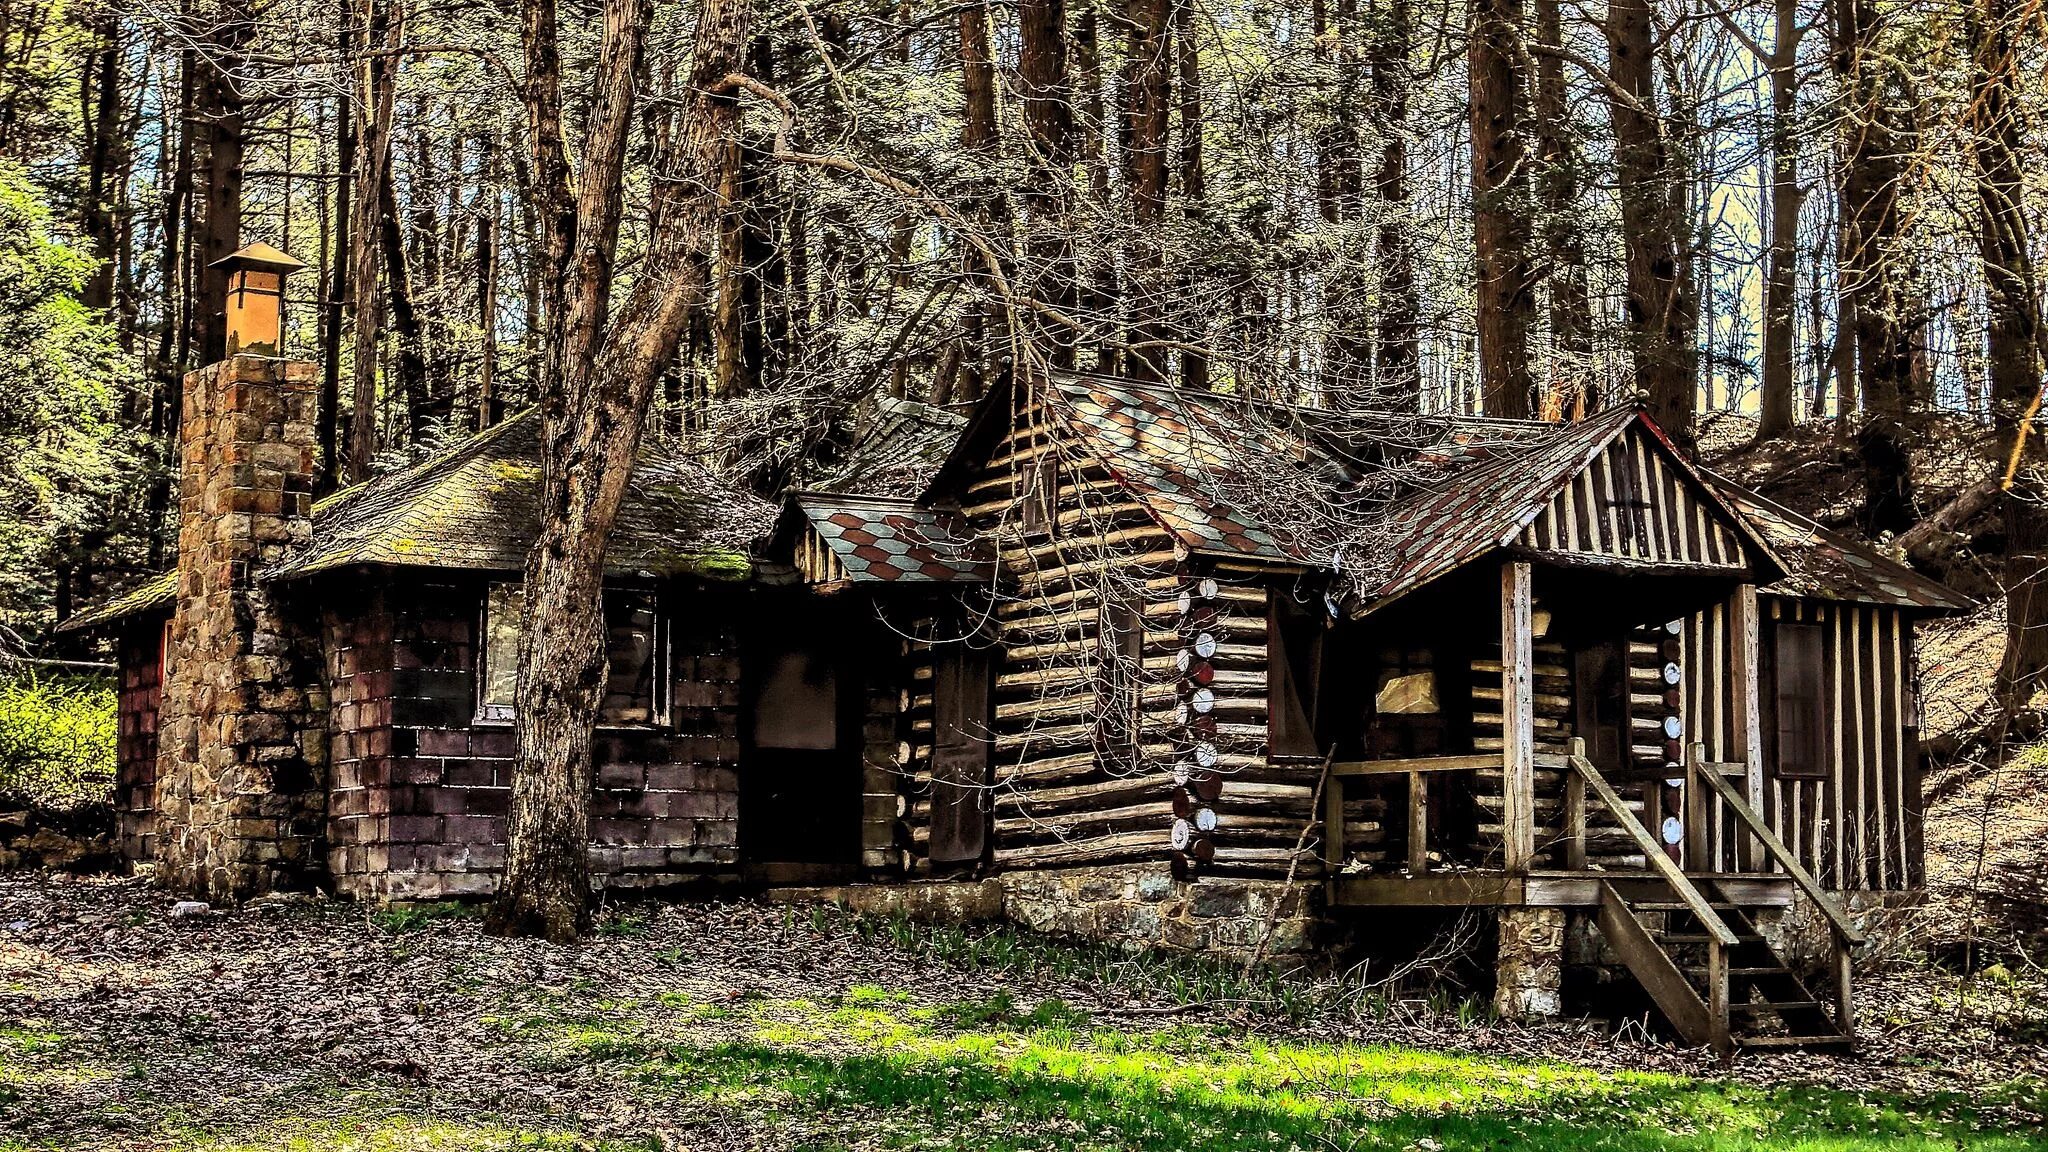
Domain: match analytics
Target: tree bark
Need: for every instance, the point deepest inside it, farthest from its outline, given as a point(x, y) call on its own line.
point(1398, 340)
point(1564, 246)
point(383, 23)
point(1501, 224)
point(2014, 352)
point(978, 138)
point(1661, 313)
point(1781, 278)
point(1049, 129)
point(335, 299)
point(1147, 96)
point(600, 367)
point(220, 116)
point(1194, 366)
point(1874, 272)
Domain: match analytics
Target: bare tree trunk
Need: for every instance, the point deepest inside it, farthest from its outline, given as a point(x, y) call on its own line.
point(219, 113)
point(487, 405)
point(1194, 366)
point(1501, 224)
point(2014, 351)
point(1571, 309)
point(978, 137)
point(383, 23)
point(600, 368)
point(1147, 96)
point(1049, 129)
point(1661, 312)
point(405, 319)
point(105, 155)
point(335, 276)
point(1399, 382)
point(1781, 281)
point(1874, 272)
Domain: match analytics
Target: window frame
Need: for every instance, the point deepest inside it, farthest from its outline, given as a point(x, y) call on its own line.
point(661, 685)
point(1821, 708)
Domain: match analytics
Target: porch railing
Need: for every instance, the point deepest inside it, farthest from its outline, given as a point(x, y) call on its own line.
point(1417, 770)
point(1706, 780)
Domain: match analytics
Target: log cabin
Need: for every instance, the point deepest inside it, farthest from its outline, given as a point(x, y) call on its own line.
point(1175, 670)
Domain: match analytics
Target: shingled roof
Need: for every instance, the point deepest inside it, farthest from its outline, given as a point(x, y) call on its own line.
point(477, 507)
point(1821, 564)
point(892, 540)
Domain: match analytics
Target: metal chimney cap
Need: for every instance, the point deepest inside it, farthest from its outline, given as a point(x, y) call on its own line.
point(259, 256)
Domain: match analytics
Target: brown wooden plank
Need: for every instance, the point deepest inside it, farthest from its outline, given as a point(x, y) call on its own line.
point(1518, 749)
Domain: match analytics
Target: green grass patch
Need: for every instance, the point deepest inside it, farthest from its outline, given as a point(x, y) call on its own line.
point(984, 1073)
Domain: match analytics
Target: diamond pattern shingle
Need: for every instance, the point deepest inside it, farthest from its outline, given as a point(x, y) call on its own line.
point(893, 540)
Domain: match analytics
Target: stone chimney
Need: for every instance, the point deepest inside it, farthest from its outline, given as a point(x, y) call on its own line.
point(241, 773)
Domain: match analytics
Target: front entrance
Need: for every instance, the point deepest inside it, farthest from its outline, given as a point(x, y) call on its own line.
point(800, 794)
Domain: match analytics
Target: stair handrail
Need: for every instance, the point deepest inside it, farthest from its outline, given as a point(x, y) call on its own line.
point(1695, 902)
point(1837, 916)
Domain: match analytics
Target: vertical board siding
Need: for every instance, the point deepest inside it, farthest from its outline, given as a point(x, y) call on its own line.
point(1857, 828)
point(1628, 503)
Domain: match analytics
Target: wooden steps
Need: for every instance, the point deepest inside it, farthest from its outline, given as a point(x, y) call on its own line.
point(1721, 983)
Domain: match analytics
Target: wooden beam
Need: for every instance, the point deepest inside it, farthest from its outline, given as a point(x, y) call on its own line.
point(1416, 764)
point(1744, 684)
point(1418, 824)
point(1654, 969)
point(1518, 719)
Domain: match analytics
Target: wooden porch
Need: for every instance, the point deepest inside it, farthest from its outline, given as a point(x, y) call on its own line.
point(1684, 920)
point(1691, 937)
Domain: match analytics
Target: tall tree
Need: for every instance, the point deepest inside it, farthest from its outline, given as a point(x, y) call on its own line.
point(376, 98)
point(1661, 312)
point(601, 362)
point(1564, 245)
point(219, 114)
point(1147, 94)
point(2014, 352)
point(1501, 224)
point(1398, 352)
point(1049, 133)
point(1875, 269)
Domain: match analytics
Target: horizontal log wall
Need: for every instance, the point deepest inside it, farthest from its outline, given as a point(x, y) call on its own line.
point(1068, 787)
point(1858, 828)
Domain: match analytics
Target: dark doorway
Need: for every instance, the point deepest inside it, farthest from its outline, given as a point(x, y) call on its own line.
point(800, 780)
point(961, 700)
point(1601, 705)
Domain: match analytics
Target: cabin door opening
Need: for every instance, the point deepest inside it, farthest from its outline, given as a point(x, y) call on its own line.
point(1600, 704)
point(800, 778)
point(962, 673)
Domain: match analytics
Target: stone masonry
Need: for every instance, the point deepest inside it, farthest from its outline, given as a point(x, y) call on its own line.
point(1145, 906)
point(1530, 969)
point(242, 736)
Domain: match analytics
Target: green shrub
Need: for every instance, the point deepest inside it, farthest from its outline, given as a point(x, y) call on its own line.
point(57, 740)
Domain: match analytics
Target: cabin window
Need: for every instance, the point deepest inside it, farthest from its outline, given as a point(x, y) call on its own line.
point(1042, 496)
point(1294, 640)
point(1798, 657)
point(632, 693)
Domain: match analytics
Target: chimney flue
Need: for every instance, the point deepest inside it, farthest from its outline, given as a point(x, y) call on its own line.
point(255, 303)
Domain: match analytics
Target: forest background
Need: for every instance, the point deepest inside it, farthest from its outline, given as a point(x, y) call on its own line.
point(1777, 223)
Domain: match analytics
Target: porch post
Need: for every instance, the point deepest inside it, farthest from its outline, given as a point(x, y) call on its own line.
point(1745, 686)
point(1517, 720)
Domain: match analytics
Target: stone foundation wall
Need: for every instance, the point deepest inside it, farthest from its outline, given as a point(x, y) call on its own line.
point(422, 787)
point(139, 696)
point(1142, 906)
point(1803, 936)
point(68, 840)
point(240, 793)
